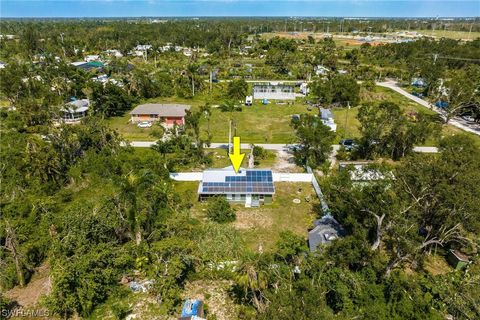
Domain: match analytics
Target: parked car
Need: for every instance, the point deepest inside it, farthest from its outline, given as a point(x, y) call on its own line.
point(348, 144)
point(144, 124)
point(468, 118)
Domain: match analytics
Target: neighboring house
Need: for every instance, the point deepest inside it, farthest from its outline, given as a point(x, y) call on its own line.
point(327, 119)
point(321, 70)
point(88, 65)
point(418, 82)
point(143, 47)
point(75, 110)
point(325, 231)
point(101, 78)
point(169, 114)
point(113, 53)
point(457, 259)
point(248, 186)
point(92, 57)
point(273, 92)
point(363, 174)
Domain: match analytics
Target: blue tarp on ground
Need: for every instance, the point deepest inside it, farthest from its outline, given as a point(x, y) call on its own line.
point(191, 307)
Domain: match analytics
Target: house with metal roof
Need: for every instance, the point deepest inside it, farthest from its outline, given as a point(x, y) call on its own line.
point(273, 91)
point(75, 110)
point(325, 231)
point(168, 114)
point(249, 186)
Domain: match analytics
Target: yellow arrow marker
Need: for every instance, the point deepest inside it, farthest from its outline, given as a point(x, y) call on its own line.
point(236, 158)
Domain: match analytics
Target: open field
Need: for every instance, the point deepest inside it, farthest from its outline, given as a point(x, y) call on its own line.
point(271, 123)
point(457, 35)
point(261, 227)
point(441, 33)
point(258, 123)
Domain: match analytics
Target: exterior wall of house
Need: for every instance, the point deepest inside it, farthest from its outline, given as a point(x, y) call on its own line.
point(169, 121)
point(143, 117)
point(74, 116)
point(241, 198)
point(273, 93)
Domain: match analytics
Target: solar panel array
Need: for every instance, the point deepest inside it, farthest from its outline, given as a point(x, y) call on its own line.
point(254, 182)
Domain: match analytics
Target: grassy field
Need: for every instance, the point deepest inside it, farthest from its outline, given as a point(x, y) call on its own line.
point(258, 123)
point(271, 123)
point(262, 226)
point(221, 159)
point(450, 34)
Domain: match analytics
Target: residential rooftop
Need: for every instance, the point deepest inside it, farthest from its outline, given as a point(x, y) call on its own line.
point(163, 110)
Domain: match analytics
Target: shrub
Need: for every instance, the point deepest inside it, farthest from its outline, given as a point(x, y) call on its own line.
point(219, 210)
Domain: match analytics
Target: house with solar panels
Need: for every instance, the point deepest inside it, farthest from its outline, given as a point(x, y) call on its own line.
point(249, 186)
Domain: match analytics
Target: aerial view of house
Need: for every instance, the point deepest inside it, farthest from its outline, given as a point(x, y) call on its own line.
point(249, 186)
point(273, 91)
point(75, 110)
point(239, 159)
point(168, 114)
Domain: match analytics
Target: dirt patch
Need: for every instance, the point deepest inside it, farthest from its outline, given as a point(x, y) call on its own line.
point(215, 294)
point(285, 162)
point(247, 220)
point(39, 285)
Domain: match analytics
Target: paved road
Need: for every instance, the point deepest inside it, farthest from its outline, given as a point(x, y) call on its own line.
point(268, 146)
point(457, 121)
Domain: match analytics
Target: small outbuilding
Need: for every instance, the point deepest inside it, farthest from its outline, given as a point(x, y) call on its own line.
point(169, 114)
point(325, 231)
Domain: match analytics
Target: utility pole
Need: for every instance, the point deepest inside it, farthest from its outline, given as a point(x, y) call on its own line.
point(230, 137)
point(211, 76)
point(346, 120)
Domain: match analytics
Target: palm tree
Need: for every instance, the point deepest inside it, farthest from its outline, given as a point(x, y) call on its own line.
point(252, 278)
point(191, 71)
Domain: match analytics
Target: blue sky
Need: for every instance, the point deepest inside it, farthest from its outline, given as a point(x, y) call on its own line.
point(136, 8)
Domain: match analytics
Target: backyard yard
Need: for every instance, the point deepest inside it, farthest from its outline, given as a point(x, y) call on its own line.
point(260, 227)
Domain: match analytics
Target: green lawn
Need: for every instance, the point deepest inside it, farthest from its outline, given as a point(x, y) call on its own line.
point(221, 159)
point(450, 34)
point(271, 123)
point(262, 226)
point(258, 123)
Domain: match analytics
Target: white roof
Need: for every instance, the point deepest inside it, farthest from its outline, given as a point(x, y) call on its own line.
point(80, 105)
point(219, 175)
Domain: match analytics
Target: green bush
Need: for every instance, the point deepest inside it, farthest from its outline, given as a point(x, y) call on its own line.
point(219, 210)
